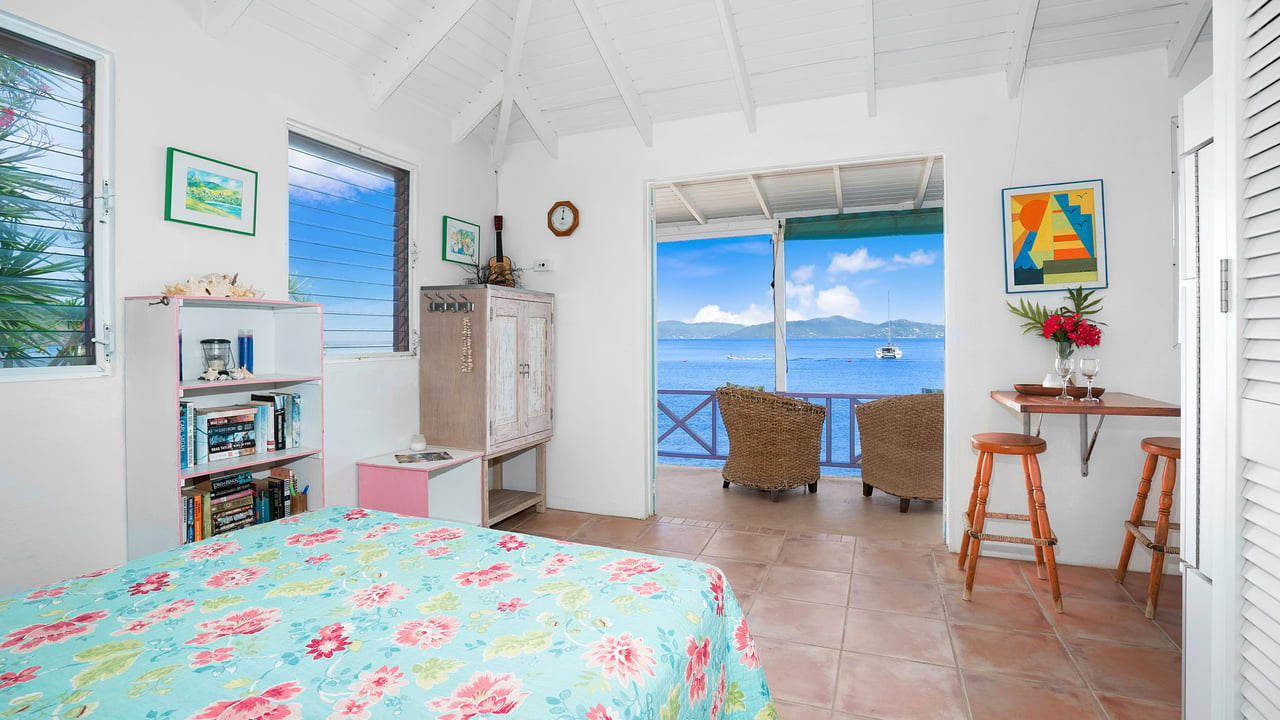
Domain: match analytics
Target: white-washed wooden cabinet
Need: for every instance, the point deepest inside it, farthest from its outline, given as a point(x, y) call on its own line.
point(486, 381)
point(162, 362)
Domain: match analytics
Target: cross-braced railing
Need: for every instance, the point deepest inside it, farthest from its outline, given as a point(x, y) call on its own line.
point(689, 426)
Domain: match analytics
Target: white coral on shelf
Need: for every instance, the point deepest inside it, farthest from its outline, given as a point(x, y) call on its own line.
point(213, 285)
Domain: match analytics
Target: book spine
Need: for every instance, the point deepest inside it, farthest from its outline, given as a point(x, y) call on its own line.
point(197, 517)
point(235, 504)
point(206, 515)
point(187, 518)
point(261, 422)
point(191, 434)
point(288, 419)
point(232, 453)
point(236, 494)
point(184, 458)
point(295, 414)
point(229, 483)
point(246, 522)
point(202, 439)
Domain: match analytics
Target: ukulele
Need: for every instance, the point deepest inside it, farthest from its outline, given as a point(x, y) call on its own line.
point(499, 264)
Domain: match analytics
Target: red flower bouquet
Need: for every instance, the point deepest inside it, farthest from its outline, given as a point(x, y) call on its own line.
point(1068, 327)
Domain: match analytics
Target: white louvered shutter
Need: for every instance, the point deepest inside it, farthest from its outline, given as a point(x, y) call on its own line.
point(1259, 563)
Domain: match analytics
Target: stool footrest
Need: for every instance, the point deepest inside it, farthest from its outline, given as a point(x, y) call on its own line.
point(968, 528)
point(1147, 542)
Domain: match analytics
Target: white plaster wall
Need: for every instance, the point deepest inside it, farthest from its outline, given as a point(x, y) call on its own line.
point(1104, 119)
point(62, 466)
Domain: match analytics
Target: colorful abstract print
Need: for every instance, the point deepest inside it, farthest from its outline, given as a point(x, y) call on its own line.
point(352, 614)
point(1054, 237)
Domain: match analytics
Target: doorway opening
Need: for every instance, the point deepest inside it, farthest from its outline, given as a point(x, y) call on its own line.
point(798, 293)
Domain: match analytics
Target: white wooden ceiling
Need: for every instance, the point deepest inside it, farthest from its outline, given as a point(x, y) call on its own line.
point(518, 70)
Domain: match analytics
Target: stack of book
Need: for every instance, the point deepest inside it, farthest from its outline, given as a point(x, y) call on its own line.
point(230, 502)
point(268, 422)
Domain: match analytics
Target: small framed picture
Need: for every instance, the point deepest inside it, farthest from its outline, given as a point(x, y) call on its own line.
point(1055, 237)
point(461, 241)
point(202, 191)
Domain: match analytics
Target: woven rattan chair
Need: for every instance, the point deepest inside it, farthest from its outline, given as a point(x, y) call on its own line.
point(775, 442)
point(902, 447)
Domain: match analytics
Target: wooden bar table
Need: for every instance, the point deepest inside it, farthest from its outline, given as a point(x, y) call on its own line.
point(1111, 403)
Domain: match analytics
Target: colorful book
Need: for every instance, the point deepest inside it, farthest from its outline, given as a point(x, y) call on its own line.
point(295, 417)
point(264, 428)
point(184, 458)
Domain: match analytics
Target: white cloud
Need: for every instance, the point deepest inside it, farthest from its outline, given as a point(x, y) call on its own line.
point(917, 257)
point(753, 315)
point(802, 274)
point(331, 178)
point(838, 300)
point(857, 261)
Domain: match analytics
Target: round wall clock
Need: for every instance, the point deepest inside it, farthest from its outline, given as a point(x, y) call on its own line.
point(562, 218)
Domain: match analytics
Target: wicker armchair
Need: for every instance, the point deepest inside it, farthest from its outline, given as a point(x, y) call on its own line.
point(902, 447)
point(775, 442)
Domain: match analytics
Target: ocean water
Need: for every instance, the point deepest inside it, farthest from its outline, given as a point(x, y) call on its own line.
point(845, 365)
point(814, 365)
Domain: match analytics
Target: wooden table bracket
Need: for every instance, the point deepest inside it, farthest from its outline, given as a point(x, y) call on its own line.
point(1113, 403)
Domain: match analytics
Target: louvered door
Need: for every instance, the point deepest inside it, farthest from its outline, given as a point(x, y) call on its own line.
point(1259, 523)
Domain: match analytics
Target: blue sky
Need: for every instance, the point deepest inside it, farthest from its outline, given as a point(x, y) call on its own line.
point(727, 280)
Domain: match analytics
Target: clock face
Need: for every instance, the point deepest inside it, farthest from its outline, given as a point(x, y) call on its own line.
point(562, 218)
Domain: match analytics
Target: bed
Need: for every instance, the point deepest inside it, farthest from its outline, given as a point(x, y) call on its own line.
point(349, 613)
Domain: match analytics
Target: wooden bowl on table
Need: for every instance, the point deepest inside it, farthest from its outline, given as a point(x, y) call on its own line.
point(1075, 392)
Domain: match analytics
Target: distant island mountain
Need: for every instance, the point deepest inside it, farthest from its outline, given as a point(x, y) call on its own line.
point(835, 326)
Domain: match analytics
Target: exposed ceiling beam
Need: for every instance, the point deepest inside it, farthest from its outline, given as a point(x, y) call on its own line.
point(764, 204)
point(737, 63)
point(416, 45)
point(922, 184)
point(1021, 44)
point(221, 15)
point(697, 215)
point(617, 70)
point(476, 110)
point(835, 176)
point(871, 58)
point(1188, 31)
point(511, 73)
point(541, 126)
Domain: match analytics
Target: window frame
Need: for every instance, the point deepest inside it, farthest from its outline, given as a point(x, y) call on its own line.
point(104, 290)
point(411, 245)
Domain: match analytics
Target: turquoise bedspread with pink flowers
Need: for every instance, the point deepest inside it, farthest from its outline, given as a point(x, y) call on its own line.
point(352, 614)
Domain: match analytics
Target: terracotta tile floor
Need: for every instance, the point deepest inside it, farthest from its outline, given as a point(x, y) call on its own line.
point(856, 627)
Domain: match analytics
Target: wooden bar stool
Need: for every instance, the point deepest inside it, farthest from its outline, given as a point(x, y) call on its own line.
point(1169, 448)
point(1042, 538)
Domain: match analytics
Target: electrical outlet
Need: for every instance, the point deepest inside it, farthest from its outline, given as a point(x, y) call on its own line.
point(543, 265)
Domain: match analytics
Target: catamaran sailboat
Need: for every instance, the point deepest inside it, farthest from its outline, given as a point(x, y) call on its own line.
point(889, 350)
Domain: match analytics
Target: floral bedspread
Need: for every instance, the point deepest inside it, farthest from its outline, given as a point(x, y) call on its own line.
point(345, 613)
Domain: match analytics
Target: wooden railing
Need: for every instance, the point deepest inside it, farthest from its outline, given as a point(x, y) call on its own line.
point(689, 426)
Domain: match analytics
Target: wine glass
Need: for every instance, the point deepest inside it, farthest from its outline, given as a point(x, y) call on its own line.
point(1063, 366)
point(1089, 368)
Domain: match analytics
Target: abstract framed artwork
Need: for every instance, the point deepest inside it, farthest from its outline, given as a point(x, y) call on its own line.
point(1054, 237)
point(461, 241)
point(202, 191)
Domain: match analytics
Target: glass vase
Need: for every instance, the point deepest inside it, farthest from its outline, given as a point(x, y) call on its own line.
point(1065, 349)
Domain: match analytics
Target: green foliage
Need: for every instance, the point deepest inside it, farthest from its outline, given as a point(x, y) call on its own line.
point(42, 293)
point(1082, 303)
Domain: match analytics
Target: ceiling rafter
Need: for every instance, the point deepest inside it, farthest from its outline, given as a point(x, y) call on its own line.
point(764, 204)
point(1188, 31)
point(608, 52)
point(540, 124)
point(511, 74)
point(431, 29)
point(695, 212)
point(221, 15)
point(835, 176)
point(871, 58)
point(1021, 44)
point(477, 109)
point(737, 63)
point(922, 185)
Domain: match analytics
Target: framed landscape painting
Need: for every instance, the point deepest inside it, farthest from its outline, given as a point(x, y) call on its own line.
point(202, 191)
point(461, 241)
point(1054, 237)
